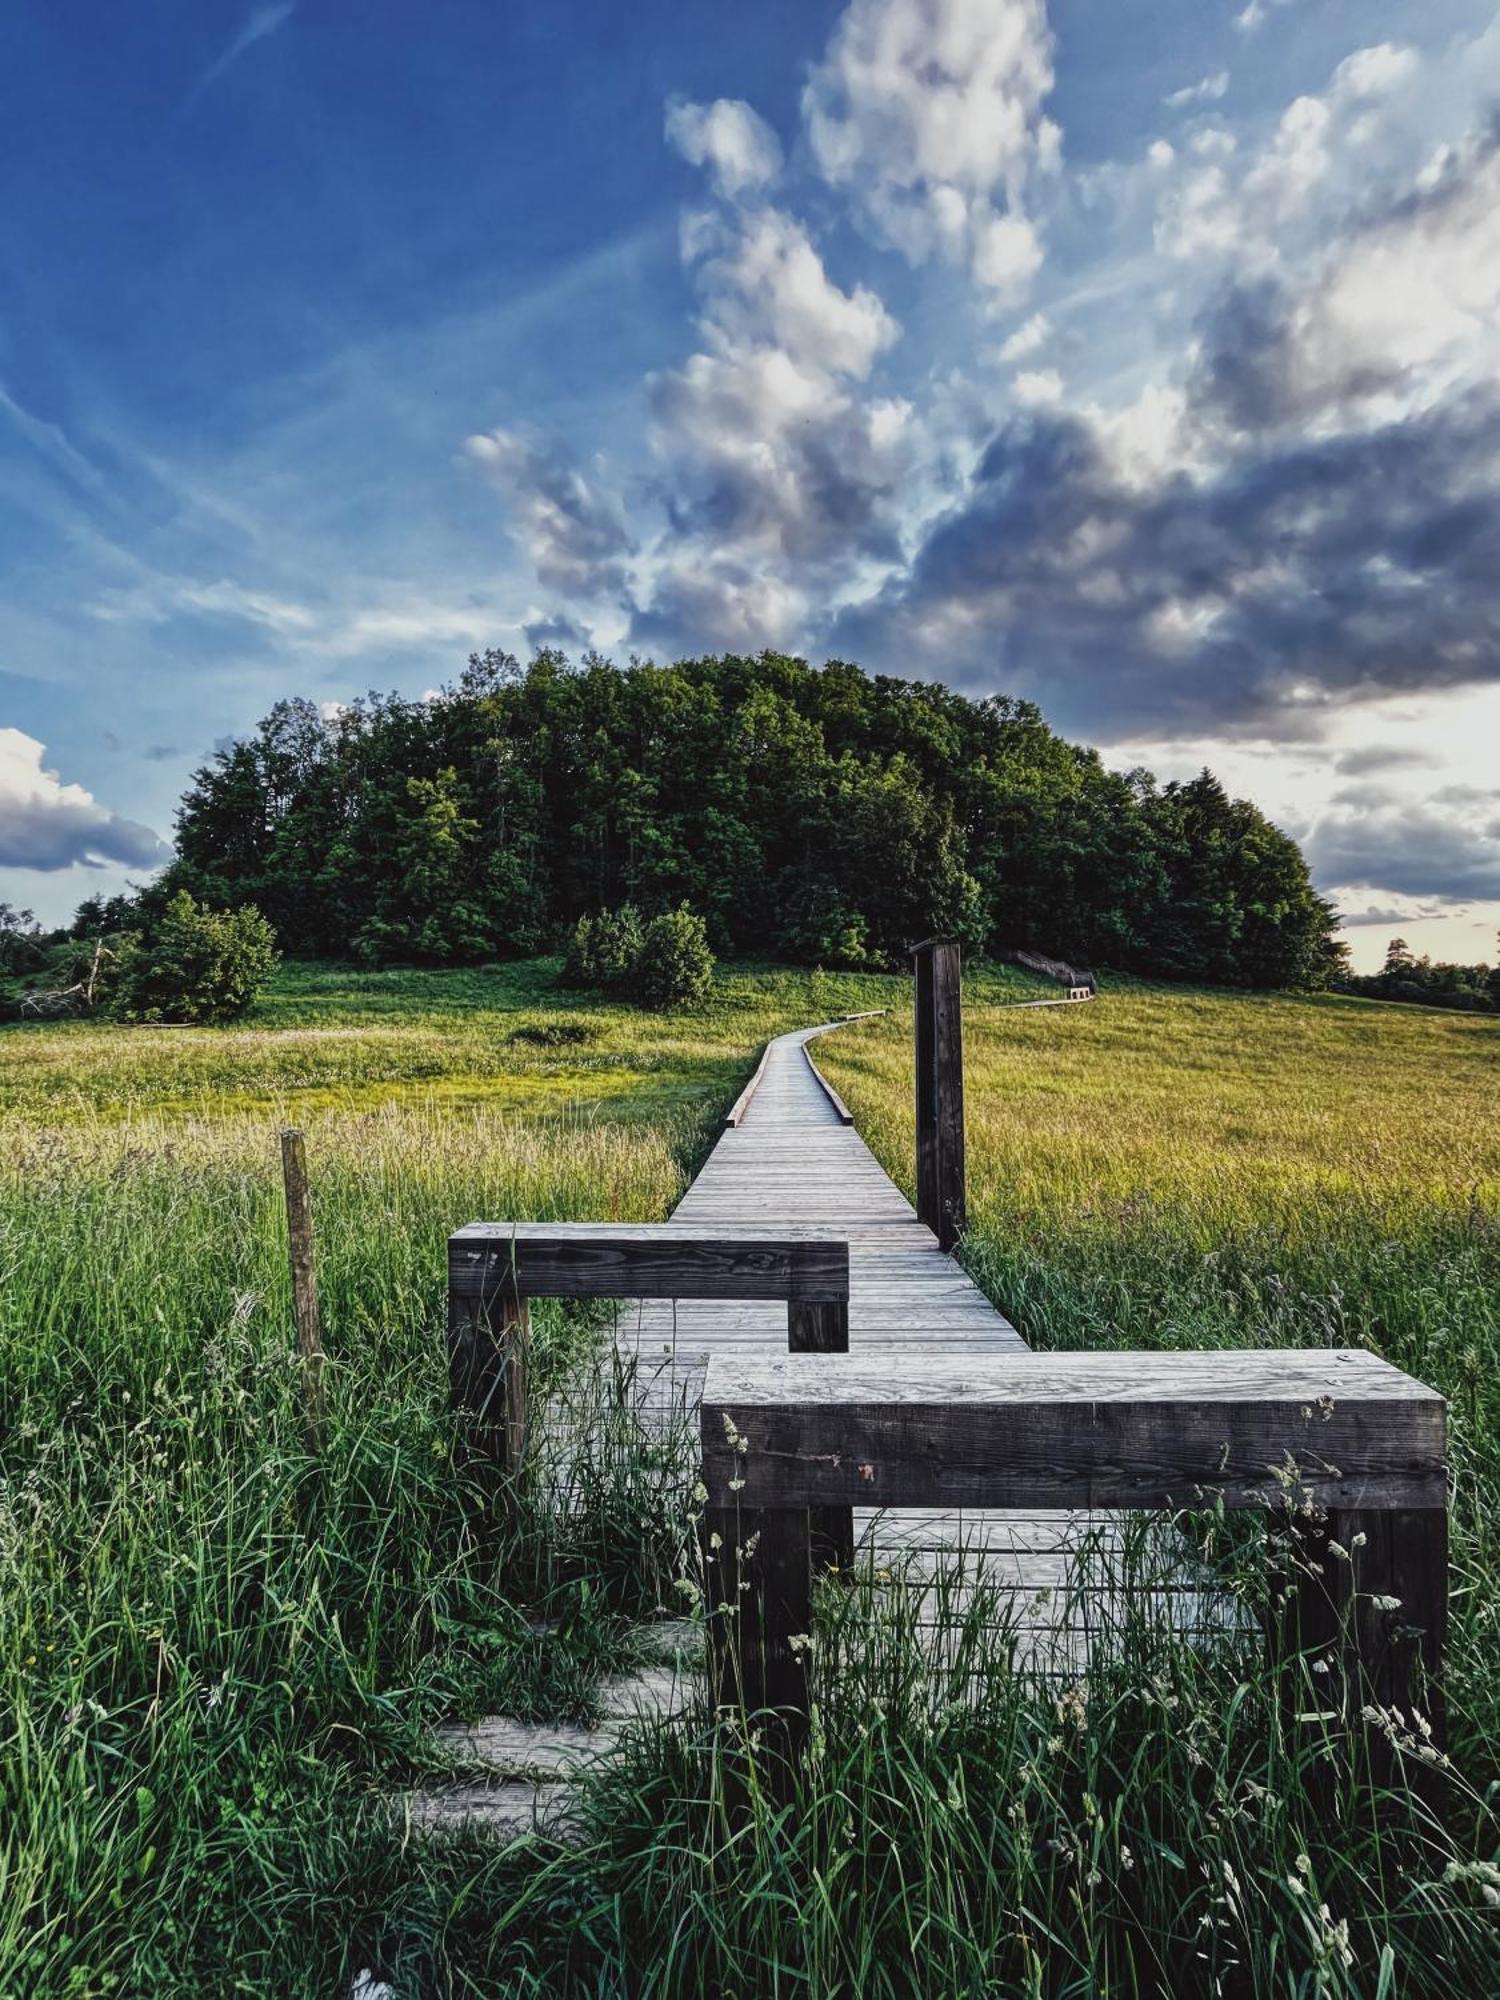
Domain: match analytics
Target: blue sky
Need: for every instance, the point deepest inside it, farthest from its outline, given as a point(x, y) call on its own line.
point(1138, 358)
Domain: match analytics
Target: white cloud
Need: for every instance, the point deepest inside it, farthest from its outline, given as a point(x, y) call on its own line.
point(769, 285)
point(1207, 90)
point(1037, 388)
point(46, 824)
point(1374, 72)
point(1026, 339)
point(731, 140)
point(929, 113)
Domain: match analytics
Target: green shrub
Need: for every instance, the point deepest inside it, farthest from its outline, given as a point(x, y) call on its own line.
point(602, 951)
point(674, 964)
point(197, 966)
point(659, 963)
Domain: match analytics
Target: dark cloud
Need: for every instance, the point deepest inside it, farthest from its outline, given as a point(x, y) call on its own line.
point(1378, 757)
point(557, 633)
point(1298, 572)
point(1407, 851)
point(160, 753)
point(1353, 920)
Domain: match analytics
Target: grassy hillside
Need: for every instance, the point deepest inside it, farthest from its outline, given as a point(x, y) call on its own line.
point(217, 1658)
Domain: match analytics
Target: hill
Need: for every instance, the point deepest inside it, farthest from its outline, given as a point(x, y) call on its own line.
point(821, 816)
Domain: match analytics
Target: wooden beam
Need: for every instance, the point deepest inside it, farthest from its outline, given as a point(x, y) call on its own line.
point(941, 1201)
point(591, 1260)
point(1074, 1430)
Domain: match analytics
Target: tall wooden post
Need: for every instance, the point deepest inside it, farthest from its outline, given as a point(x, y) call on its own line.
point(299, 1228)
point(940, 1089)
point(824, 1329)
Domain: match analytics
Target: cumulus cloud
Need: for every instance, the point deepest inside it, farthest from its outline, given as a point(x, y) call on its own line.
point(732, 141)
point(774, 456)
point(47, 825)
point(929, 113)
point(573, 532)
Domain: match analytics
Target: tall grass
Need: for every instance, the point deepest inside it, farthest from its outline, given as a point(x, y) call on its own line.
point(219, 1659)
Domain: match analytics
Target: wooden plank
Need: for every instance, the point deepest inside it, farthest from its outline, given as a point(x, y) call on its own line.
point(622, 1260)
point(742, 1103)
point(1075, 1430)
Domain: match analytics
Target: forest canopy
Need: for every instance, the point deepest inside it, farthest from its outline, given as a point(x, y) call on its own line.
point(822, 815)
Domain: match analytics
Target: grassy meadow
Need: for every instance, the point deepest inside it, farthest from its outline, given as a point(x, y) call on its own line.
point(220, 1656)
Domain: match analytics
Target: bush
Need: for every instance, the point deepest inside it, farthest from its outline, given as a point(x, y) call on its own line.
point(602, 950)
point(674, 964)
point(655, 964)
point(197, 966)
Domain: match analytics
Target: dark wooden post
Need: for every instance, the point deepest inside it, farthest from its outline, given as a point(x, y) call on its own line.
point(758, 1568)
point(824, 1329)
point(299, 1227)
point(487, 1366)
point(1366, 1599)
point(940, 1089)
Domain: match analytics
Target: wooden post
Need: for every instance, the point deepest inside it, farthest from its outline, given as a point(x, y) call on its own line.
point(1366, 1598)
point(824, 1329)
point(488, 1341)
point(940, 1089)
point(758, 1566)
point(299, 1225)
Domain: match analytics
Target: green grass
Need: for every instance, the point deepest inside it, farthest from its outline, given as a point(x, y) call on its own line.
point(219, 1659)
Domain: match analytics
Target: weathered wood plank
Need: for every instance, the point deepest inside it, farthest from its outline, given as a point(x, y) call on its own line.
point(603, 1260)
point(1074, 1430)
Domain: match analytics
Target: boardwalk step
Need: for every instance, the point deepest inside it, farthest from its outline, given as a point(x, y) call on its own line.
point(528, 1766)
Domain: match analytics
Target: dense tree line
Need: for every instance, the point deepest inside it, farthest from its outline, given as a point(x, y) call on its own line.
point(822, 815)
point(1474, 989)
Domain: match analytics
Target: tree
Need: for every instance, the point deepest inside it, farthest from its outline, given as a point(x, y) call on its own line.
point(197, 966)
point(825, 814)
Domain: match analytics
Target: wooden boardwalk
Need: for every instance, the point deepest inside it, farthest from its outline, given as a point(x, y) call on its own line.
point(796, 1165)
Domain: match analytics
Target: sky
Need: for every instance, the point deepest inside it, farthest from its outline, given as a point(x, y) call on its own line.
point(1141, 359)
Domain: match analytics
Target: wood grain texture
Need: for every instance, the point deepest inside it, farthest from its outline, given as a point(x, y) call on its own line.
point(1075, 1430)
point(941, 1201)
point(627, 1261)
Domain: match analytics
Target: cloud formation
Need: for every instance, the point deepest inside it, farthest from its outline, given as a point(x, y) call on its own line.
point(929, 114)
point(734, 143)
point(46, 824)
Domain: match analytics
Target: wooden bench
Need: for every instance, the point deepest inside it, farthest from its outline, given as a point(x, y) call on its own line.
point(1338, 1441)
